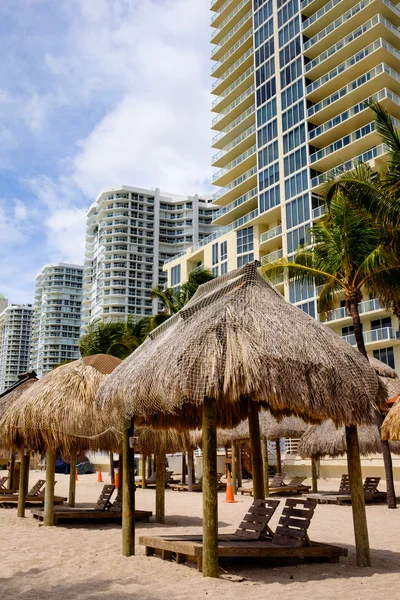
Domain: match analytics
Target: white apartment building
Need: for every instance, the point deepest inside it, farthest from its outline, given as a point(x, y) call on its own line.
point(291, 80)
point(130, 233)
point(15, 342)
point(57, 316)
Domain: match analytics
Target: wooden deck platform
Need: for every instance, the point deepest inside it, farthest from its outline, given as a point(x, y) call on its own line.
point(190, 549)
point(66, 514)
point(284, 490)
point(30, 500)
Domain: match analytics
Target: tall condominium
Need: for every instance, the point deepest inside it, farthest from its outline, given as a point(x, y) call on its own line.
point(57, 316)
point(15, 341)
point(291, 80)
point(130, 233)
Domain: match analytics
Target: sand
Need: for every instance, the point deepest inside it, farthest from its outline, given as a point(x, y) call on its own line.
point(82, 562)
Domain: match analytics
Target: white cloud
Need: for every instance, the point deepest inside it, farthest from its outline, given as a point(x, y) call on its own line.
point(66, 234)
point(20, 210)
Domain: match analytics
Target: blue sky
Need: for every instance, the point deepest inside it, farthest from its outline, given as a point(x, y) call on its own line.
point(94, 93)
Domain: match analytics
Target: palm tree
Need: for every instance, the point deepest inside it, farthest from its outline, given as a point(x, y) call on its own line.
point(348, 255)
point(117, 338)
point(174, 300)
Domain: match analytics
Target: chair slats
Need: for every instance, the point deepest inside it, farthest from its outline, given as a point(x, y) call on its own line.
point(104, 501)
point(292, 526)
point(255, 524)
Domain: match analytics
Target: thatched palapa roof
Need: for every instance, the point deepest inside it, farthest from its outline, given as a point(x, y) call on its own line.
point(8, 399)
point(272, 428)
point(238, 340)
point(58, 411)
point(150, 441)
point(390, 429)
point(327, 440)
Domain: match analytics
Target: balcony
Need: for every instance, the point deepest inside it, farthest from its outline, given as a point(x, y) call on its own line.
point(233, 54)
point(353, 118)
point(226, 214)
point(355, 41)
point(227, 78)
point(233, 36)
point(239, 186)
point(341, 313)
point(271, 257)
point(381, 76)
point(242, 142)
point(379, 51)
point(236, 88)
point(233, 18)
point(378, 337)
point(271, 234)
point(318, 212)
point(345, 148)
point(234, 109)
point(232, 170)
point(345, 24)
point(219, 16)
point(241, 123)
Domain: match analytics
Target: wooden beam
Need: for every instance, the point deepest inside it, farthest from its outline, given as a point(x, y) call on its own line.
point(160, 484)
point(234, 467)
point(23, 482)
point(357, 498)
point(112, 470)
point(128, 492)
point(183, 467)
point(144, 474)
point(49, 490)
point(11, 472)
point(72, 481)
point(256, 457)
point(239, 464)
point(278, 457)
point(190, 470)
point(264, 448)
point(210, 489)
point(314, 473)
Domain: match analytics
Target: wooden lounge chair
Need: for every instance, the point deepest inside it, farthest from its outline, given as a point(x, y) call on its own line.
point(3, 481)
point(34, 491)
point(152, 480)
point(290, 540)
point(371, 492)
point(276, 481)
point(34, 496)
point(103, 510)
point(294, 486)
point(196, 486)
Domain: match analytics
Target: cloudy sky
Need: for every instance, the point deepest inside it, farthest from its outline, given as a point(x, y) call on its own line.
point(94, 93)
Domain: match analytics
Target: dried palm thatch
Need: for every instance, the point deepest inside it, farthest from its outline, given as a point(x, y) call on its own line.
point(392, 386)
point(237, 341)
point(272, 428)
point(150, 441)
point(390, 429)
point(224, 438)
point(327, 440)
point(8, 400)
point(58, 412)
point(382, 369)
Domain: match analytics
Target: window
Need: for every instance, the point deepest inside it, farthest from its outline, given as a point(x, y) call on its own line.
point(288, 33)
point(297, 211)
point(266, 91)
point(246, 258)
point(381, 323)
point(287, 11)
point(300, 291)
point(386, 355)
point(214, 250)
point(292, 94)
point(215, 271)
point(267, 133)
point(291, 72)
point(268, 177)
point(263, 33)
point(267, 112)
point(244, 240)
point(224, 268)
point(308, 308)
point(294, 138)
point(268, 155)
point(297, 237)
point(293, 115)
point(263, 53)
point(296, 184)
point(290, 52)
point(265, 72)
point(263, 14)
point(224, 251)
point(295, 161)
point(270, 198)
point(176, 275)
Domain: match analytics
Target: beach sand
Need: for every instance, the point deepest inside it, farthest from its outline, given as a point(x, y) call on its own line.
point(84, 562)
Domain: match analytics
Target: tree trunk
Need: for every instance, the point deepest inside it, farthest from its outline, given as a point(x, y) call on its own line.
point(112, 471)
point(357, 498)
point(48, 518)
point(23, 482)
point(278, 457)
point(210, 490)
point(128, 492)
point(264, 446)
point(387, 458)
point(72, 481)
point(256, 456)
point(190, 470)
point(11, 472)
point(234, 467)
point(314, 474)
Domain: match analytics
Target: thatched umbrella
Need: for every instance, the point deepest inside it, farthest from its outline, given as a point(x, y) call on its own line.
point(328, 440)
point(391, 425)
point(58, 413)
point(7, 398)
point(235, 347)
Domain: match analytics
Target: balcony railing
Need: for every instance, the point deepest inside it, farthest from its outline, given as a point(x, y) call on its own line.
point(234, 123)
point(232, 50)
point(233, 104)
point(233, 86)
point(363, 307)
point(318, 212)
point(241, 200)
point(349, 165)
point(343, 142)
point(271, 257)
point(270, 234)
point(225, 4)
point(234, 143)
point(229, 18)
point(235, 183)
point(233, 68)
point(375, 335)
point(232, 32)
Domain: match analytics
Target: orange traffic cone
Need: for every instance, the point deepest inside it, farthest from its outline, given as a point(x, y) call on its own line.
point(116, 480)
point(230, 498)
point(76, 477)
point(99, 477)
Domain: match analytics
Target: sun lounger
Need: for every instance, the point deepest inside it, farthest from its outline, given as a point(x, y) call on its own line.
point(371, 492)
point(152, 480)
point(34, 491)
point(276, 482)
point(34, 496)
point(289, 541)
point(196, 486)
point(294, 486)
point(103, 510)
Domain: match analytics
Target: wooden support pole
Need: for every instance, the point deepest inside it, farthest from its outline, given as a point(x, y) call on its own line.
point(112, 470)
point(160, 485)
point(239, 464)
point(256, 457)
point(190, 470)
point(234, 467)
point(278, 457)
point(120, 471)
point(128, 492)
point(314, 473)
point(210, 490)
point(264, 448)
point(23, 482)
point(48, 519)
point(183, 467)
point(72, 481)
point(11, 472)
point(357, 498)
point(144, 475)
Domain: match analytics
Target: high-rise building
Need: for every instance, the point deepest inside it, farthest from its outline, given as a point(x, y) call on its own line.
point(291, 80)
point(3, 302)
point(57, 316)
point(130, 233)
point(15, 342)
